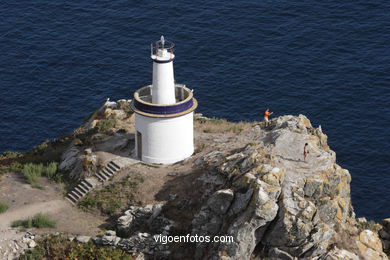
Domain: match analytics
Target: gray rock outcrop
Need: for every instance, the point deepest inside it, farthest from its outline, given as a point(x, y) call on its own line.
point(268, 199)
point(133, 237)
point(277, 205)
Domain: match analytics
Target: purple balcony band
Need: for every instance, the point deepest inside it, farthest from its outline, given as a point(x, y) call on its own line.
point(185, 103)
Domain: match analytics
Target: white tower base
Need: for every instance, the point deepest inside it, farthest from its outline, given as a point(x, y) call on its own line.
point(164, 140)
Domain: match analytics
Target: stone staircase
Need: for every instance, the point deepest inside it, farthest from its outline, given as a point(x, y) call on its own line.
point(81, 190)
point(103, 175)
point(109, 170)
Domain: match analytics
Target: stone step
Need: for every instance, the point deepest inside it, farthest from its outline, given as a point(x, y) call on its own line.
point(82, 189)
point(70, 200)
point(79, 193)
point(106, 172)
point(102, 176)
point(85, 186)
point(115, 165)
point(112, 167)
point(77, 196)
point(70, 196)
point(87, 182)
point(92, 181)
point(107, 169)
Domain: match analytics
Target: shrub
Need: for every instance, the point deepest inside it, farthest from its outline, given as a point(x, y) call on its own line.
point(59, 247)
point(105, 125)
point(108, 201)
point(89, 202)
point(10, 155)
point(371, 225)
point(32, 172)
point(3, 207)
point(14, 167)
point(40, 148)
point(50, 170)
point(38, 221)
point(113, 206)
point(125, 106)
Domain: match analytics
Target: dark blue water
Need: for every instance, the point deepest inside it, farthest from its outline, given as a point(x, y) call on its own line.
point(329, 60)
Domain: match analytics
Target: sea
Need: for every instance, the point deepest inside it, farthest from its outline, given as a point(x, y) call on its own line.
point(328, 60)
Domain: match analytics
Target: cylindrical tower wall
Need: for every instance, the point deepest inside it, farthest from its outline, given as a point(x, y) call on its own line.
point(163, 91)
point(164, 140)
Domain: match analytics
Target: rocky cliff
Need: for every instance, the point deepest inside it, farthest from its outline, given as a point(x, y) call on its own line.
point(255, 186)
point(279, 206)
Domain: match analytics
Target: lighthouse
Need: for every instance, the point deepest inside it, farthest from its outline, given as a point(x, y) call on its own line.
point(164, 112)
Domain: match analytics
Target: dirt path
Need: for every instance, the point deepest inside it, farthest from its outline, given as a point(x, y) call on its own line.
point(25, 201)
point(30, 210)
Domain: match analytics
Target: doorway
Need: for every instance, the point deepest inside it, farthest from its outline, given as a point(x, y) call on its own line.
point(139, 145)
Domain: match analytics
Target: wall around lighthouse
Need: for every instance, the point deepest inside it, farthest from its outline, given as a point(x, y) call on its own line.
point(164, 140)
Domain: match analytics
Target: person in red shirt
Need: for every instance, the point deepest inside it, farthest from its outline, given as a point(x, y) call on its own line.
point(305, 151)
point(267, 113)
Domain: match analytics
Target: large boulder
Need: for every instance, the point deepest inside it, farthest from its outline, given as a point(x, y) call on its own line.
point(72, 162)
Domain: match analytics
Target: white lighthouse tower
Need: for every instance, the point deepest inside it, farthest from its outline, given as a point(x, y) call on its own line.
point(164, 112)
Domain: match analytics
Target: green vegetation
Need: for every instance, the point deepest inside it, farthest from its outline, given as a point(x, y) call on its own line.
point(38, 221)
point(125, 106)
point(40, 148)
point(108, 201)
point(32, 172)
point(106, 125)
point(9, 155)
point(59, 248)
point(3, 207)
point(50, 171)
point(215, 125)
point(14, 167)
point(371, 225)
point(211, 120)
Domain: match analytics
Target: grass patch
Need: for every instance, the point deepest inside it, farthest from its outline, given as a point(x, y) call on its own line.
point(125, 106)
point(108, 200)
point(59, 247)
point(38, 221)
point(106, 125)
point(3, 207)
point(32, 172)
point(14, 167)
point(371, 225)
point(215, 125)
point(50, 171)
point(39, 149)
point(9, 155)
